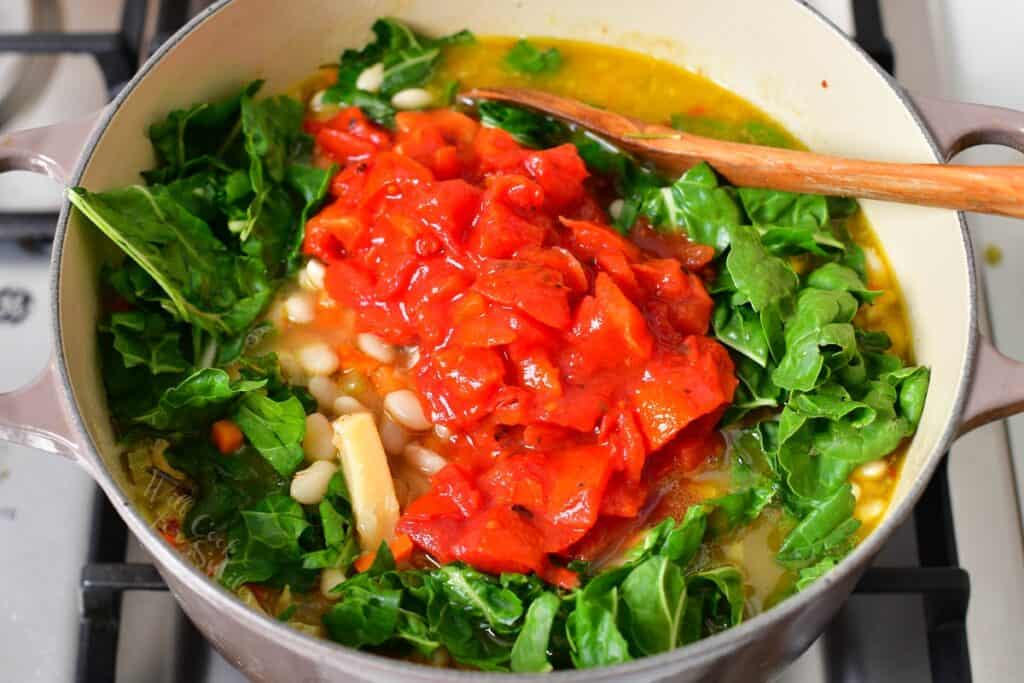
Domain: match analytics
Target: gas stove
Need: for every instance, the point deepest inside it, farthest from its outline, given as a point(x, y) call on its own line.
point(80, 601)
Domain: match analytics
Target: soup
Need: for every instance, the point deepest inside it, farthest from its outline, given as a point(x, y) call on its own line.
point(478, 389)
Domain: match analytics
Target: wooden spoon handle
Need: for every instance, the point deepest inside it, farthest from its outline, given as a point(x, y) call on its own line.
point(986, 189)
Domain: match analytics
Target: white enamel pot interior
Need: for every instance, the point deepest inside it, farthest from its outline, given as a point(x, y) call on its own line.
point(776, 53)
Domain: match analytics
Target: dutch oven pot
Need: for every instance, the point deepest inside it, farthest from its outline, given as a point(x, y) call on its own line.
point(779, 54)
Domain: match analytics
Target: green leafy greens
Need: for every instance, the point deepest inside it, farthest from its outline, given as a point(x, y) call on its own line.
point(407, 58)
point(527, 58)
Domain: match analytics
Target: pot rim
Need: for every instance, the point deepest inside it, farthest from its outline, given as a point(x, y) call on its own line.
point(701, 651)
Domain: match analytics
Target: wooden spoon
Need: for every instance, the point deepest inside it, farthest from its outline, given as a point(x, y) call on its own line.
point(986, 189)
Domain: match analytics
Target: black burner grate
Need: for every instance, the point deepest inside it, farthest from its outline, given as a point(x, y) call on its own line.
point(118, 54)
point(942, 585)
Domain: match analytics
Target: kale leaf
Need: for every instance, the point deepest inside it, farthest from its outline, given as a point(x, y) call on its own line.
point(527, 58)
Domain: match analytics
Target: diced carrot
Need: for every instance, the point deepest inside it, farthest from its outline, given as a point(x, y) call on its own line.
point(226, 436)
point(401, 550)
point(169, 530)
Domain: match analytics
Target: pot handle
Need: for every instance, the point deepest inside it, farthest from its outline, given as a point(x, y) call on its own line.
point(997, 387)
point(52, 151)
point(34, 415)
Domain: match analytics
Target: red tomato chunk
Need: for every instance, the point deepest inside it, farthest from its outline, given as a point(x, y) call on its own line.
point(560, 354)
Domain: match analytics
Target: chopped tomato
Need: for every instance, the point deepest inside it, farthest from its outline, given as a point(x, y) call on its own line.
point(674, 390)
point(498, 151)
point(537, 291)
point(458, 383)
point(507, 221)
point(441, 140)
point(608, 332)
point(568, 362)
point(578, 480)
point(349, 136)
point(560, 172)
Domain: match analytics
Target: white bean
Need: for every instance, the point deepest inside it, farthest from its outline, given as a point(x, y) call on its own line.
point(318, 106)
point(869, 511)
point(316, 102)
point(300, 309)
point(312, 276)
point(325, 391)
point(318, 359)
point(375, 347)
point(872, 471)
point(442, 432)
point(411, 98)
point(392, 436)
point(615, 208)
point(329, 579)
point(278, 314)
point(346, 405)
point(310, 485)
point(405, 408)
point(318, 443)
point(423, 459)
point(371, 78)
point(291, 368)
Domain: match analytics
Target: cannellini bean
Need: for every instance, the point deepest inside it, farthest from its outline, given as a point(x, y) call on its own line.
point(855, 489)
point(316, 102)
point(277, 314)
point(291, 368)
point(312, 276)
point(370, 486)
point(442, 432)
point(405, 408)
point(392, 436)
point(318, 443)
point(318, 359)
point(329, 579)
point(375, 347)
point(872, 471)
point(615, 208)
point(869, 511)
point(411, 98)
point(310, 485)
point(325, 391)
point(346, 405)
point(423, 459)
point(371, 78)
point(299, 308)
